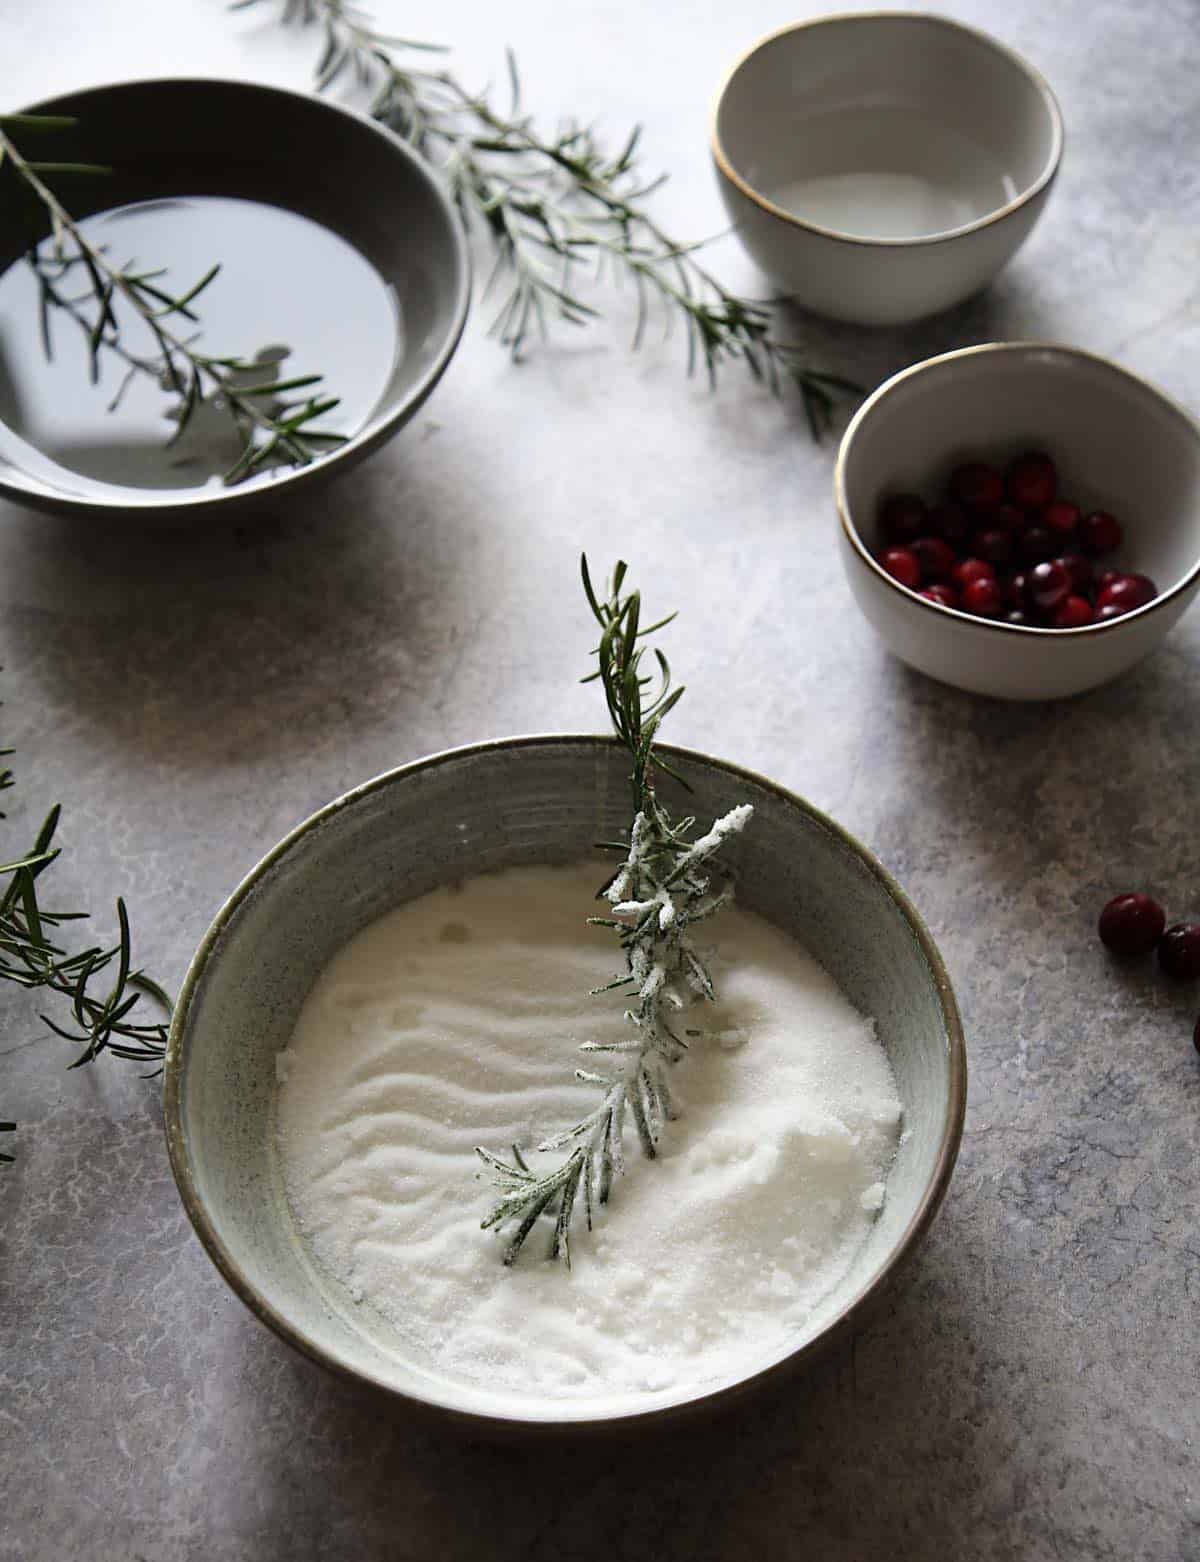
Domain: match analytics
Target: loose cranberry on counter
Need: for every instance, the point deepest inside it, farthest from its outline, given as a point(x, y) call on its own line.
point(901, 564)
point(1074, 613)
point(949, 521)
point(902, 518)
point(944, 596)
point(982, 597)
point(1031, 481)
point(1079, 569)
point(977, 485)
point(1038, 544)
point(967, 570)
point(1131, 924)
point(1061, 517)
point(1127, 592)
point(995, 545)
point(935, 557)
point(1179, 951)
point(1049, 586)
point(1100, 532)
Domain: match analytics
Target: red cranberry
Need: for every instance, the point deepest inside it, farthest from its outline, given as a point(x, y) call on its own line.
point(1012, 519)
point(972, 569)
point(1038, 544)
point(1106, 578)
point(1131, 924)
point(949, 521)
point(978, 486)
point(935, 557)
point(1016, 617)
point(1016, 589)
point(1031, 481)
point(1080, 571)
point(944, 596)
point(1100, 532)
point(1179, 951)
point(1110, 610)
point(1061, 517)
point(1128, 592)
point(982, 597)
point(902, 518)
point(1074, 613)
point(995, 545)
point(901, 564)
point(1049, 586)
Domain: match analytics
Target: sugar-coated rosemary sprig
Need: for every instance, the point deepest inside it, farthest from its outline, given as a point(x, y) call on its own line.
point(558, 207)
point(101, 986)
point(664, 887)
point(271, 430)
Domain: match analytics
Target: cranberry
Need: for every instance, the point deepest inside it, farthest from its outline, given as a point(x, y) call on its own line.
point(1106, 578)
point(1031, 481)
point(1074, 613)
point(1061, 517)
point(1128, 592)
point(1179, 951)
point(995, 545)
point(1016, 617)
point(1016, 588)
point(935, 557)
point(1100, 532)
point(1131, 924)
point(978, 486)
point(1012, 519)
point(967, 570)
point(1079, 569)
point(1038, 544)
point(902, 518)
point(1110, 610)
point(901, 564)
point(949, 521)
point(1049, 586)
point(944, 596)
point(982, 597)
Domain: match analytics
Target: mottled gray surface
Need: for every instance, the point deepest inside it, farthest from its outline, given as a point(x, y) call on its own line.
point(1029, 1391)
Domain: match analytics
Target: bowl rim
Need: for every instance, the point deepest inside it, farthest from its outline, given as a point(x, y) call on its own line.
point(995, 626)
point(155, 504)
point(938, 236)
point(175, 1062)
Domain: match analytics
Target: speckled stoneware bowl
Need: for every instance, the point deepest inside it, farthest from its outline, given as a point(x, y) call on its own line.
point(172, 139)
point(1119, 445)
point(523, 800)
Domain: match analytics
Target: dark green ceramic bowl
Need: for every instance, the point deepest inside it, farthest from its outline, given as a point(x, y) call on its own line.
point(525, 800)
point(186, 138)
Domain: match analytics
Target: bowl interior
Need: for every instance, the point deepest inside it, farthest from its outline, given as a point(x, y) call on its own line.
point(285, 150)
point(523, 801)
point(1118, 444)
point(887, 127)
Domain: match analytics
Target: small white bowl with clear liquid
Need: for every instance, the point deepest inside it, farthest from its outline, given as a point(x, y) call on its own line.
point(881, 167)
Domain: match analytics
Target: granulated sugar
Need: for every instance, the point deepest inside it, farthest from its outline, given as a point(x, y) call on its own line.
point(454, 1021)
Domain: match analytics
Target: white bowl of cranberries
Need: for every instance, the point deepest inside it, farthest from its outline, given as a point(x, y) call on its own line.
point(1020, 520)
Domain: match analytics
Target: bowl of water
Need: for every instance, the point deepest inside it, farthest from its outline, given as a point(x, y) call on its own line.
point(343, 275)
point(884, 166)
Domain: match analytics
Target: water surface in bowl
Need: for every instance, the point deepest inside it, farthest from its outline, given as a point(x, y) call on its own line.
point(890, 172)
point(291, 295)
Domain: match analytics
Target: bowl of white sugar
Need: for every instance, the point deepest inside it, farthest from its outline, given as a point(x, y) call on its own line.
point(409, 977)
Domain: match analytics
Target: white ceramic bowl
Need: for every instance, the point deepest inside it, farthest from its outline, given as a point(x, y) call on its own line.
point(525, 800)
point(1119, 444)
point(883, 166)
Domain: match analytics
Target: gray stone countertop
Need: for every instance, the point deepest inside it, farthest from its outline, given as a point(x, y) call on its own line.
point(1029, 1389)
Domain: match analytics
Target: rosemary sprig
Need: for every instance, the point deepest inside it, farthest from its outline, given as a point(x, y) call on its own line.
point(97, 1020)
point(558, 208)
point(271, 430)
point(663, 888)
